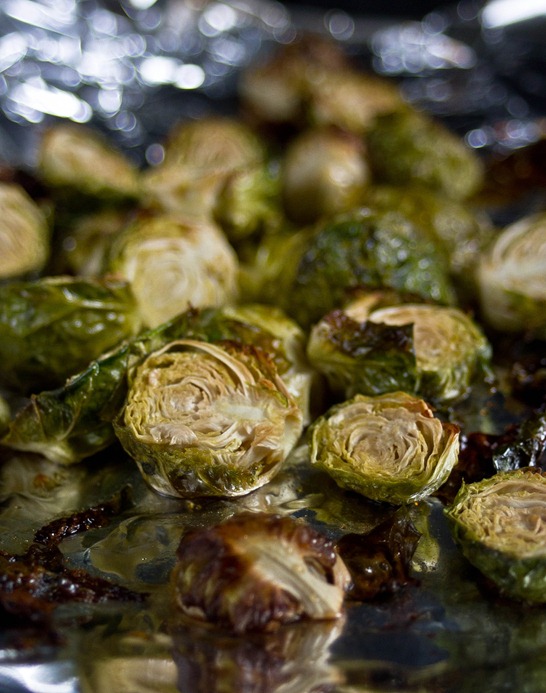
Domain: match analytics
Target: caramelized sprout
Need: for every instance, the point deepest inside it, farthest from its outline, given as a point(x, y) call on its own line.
point(512, 278)
point(256, 572)
point(389, 448)
point(208, 420)
point(500, 525)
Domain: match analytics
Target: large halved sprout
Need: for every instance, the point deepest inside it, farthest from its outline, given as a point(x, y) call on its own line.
point(173, 263)
point(389, 448)
point(431, 350)
point(256, 572)
point(512, 278)
point(24, 233)
point(53, 327)
point(207, 420)
point(500, 524)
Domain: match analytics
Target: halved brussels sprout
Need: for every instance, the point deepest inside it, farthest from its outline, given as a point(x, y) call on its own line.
point(24, 233)
point(500, 525)
point(512, 278)
point(199, 156)
point(172, 263)
point(208, 420)
point(409, 147)
point(389, 448)
point(324, 172)
point(315, 270)
point(73, 422)
point(78, 159)
point(53, 327)
point(431, 350)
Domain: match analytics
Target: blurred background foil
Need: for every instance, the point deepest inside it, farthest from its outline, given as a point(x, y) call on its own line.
point(133, 67)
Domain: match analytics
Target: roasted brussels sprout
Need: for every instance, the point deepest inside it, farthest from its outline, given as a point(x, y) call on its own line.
point(53, 327)
point(5, 415)
point(77, 159)
point(207, 420)
point(313, 271)
point(460, 232)
point(389, 448)
point(173, 263)
point(24, 233)
point(431, 350)
point(199, 156)
point(512, 278)
point(324, 172)
point(410, 147)
point(500, 525)
point(312, 82)
point(73, 422)
point(256, 572)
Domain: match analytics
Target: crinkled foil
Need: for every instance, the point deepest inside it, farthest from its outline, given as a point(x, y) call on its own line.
point(132, 68)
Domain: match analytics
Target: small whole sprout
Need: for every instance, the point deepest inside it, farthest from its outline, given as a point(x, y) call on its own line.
point(431, 350)
point(53, 327)
point(324, 172)
point(24, 233)
point(390, 448)
point(78, 159)
point(500, 525)
point(512, 278)
point(173, 263)
point(409, 147)
point(203, 419)
point(256, 572)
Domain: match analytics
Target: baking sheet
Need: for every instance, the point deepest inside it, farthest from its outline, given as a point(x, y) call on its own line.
point(445, 632)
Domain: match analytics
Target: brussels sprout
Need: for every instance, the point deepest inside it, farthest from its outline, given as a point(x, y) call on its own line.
point(256, 572)
point(85, 246)
point(5, 415)
point(410, 147)
point(53, 327)
point(512, 280)
point(73, 422)
point(77, 159)
point(24, 233)
point(207, 420)
point(323, 173)
point(173, 263)
point(311, 81)
point(313, 272)
point(389, 448)
point(460, 233)
point(500, 525)
point(199, 156)
point(431, 350)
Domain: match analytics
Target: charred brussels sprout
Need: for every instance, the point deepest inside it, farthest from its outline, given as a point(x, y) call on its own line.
point(173, 263)
point(408, 146)
point(389, 448)
point(324, 172)
point(24, 233)
point(78, 159)
point(53, 327)
point(512, 278)
point(256, 572)
point(315, 269)
point(430, 350)
point(500, 525)
point(208, 420)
